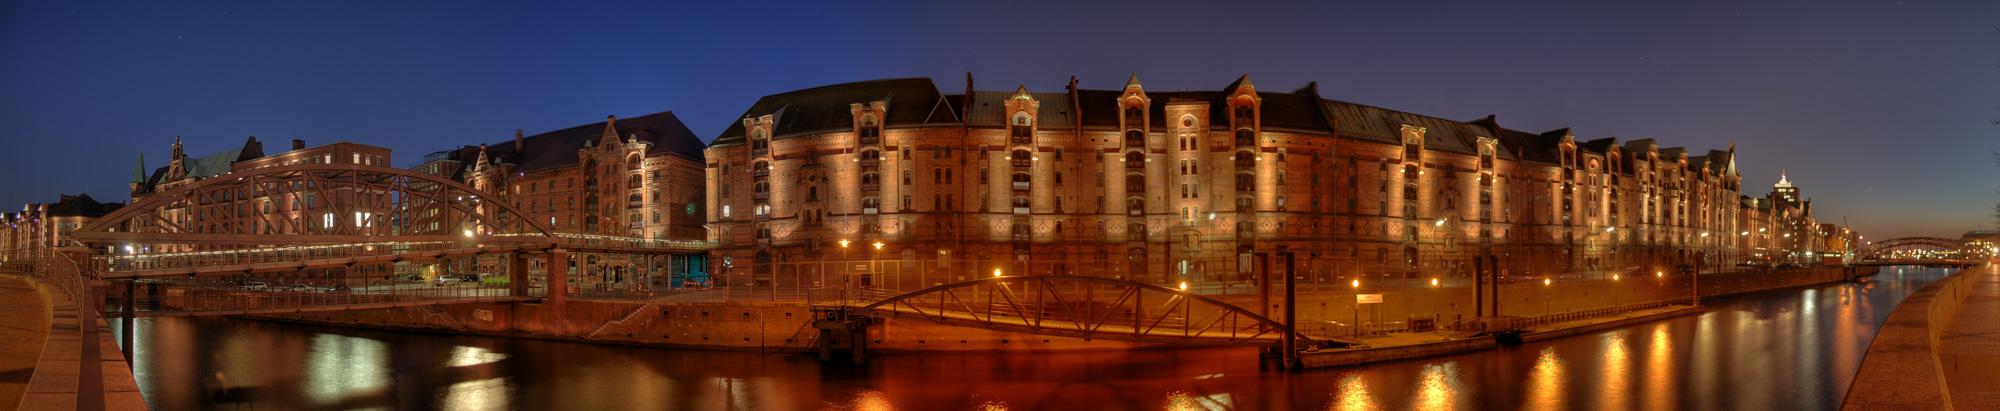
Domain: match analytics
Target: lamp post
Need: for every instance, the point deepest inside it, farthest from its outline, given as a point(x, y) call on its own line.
point(844, 279)
point(876, 259)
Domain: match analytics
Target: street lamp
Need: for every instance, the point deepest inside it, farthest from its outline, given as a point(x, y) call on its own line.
point(845, 280)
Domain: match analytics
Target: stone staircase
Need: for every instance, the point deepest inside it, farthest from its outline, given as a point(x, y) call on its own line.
point(626, 324)
point(443, 317)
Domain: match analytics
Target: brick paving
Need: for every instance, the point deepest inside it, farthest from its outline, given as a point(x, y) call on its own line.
point(24, 325)
point(1969, 346)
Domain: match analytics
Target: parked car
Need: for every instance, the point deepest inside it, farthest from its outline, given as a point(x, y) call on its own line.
point(301, 288)
point(339, 289)
point(447, 281)
point(256, 286)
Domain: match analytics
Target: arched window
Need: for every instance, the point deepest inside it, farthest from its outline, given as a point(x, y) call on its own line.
point(1022, 158)
point(1135, 159)
point(1135, 183)
point(633, 162)
point(1245, 137)
point(1135, 206)
point(868, 155)
point(1022, 178)
point(1020, 202)
point(1134, 114)
point(1245, 158)
point(634, 181)
point(1135, 138)
point(871, 203)
point(1246, 182)
point(1243, 203)
point(1136, 232)
point(1245, 229)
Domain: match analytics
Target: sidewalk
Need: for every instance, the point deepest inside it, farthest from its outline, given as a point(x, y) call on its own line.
point(24, 326)
point(1969, 346)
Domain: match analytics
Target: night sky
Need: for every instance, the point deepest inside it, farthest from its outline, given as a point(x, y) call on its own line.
point(1879, 111)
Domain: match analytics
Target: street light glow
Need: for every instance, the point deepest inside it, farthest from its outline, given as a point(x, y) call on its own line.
point(996, 272)
point(1357, 283)
point(1183, 286)
point(843, 243)
point(878, 245)
point(1434, 282)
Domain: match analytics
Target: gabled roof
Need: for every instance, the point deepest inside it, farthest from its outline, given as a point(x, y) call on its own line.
point(80, 205)
point(558, 148)
point(827, 108)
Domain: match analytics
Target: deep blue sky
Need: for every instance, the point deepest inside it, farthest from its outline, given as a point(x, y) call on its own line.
point(1878, 110)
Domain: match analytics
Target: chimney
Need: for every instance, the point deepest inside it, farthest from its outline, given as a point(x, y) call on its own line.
point(520, 145)
point(298, 144)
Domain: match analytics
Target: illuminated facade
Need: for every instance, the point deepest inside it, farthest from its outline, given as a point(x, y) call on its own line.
point(1180, 186)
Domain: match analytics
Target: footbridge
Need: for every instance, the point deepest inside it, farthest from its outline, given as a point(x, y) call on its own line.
point(1080, 307)
point(313, 237)
point(1921, 251)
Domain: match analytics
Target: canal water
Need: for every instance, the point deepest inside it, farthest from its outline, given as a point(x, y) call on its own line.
point(1794, 350)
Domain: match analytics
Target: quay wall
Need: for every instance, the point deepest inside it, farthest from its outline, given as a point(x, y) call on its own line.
point(753, 326)
point(1901, 370)
point(787, 326)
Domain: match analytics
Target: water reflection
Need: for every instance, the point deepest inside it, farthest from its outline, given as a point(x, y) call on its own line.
point(1439, 387)
point(1615, 393)
point(1791, 350)
point(1546, 383)
point(1352, 395)
point(1660, 376)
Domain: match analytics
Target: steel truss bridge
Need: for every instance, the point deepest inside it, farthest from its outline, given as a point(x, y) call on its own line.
point(1081, 307)
point(185, 244)
point(1921, 251)
point(181, 243)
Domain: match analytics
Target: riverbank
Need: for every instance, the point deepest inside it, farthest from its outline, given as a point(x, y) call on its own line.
point(56, 374)
point(787, 326)
point(1401, 346)
point(22, 334)
point(1935, 351)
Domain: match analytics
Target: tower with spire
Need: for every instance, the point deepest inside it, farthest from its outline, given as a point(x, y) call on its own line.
point(139, 175)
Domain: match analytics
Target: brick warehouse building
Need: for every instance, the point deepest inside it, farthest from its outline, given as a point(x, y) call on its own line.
point(636, 177)
point(1185, 186)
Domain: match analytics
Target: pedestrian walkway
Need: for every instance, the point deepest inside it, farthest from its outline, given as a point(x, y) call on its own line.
point(24, 327)
point(1969, 346)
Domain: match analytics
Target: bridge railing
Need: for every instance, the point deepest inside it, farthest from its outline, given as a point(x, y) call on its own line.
point(587, 240)
point(215, 295)
point(121, 260)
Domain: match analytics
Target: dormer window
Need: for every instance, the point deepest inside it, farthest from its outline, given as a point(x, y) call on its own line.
point(1245, 116)
point(1134, 115)
point(1022, 131)
point(871, 131)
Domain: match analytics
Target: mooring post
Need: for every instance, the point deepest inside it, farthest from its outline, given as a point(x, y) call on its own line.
point(1291, 310)
point(131, 300)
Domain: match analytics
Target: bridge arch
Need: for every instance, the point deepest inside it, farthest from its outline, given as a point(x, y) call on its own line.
point(315, 203)
point(1879, 249)
point(1085, 307)
point(302, 216)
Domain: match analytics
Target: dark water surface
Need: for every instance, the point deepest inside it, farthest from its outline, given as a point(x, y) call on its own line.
point(1794, 350)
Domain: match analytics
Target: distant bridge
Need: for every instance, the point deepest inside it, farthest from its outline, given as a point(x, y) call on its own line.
point(1920, 251)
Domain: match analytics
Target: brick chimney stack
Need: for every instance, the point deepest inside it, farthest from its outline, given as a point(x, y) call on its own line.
point(520, 145)
point(298, 144)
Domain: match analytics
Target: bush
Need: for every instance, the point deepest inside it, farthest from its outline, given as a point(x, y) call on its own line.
point(495, 281)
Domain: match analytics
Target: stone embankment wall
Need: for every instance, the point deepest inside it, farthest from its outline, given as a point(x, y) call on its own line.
point(758, 326)
point(787, 326)
point(1901, 370)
